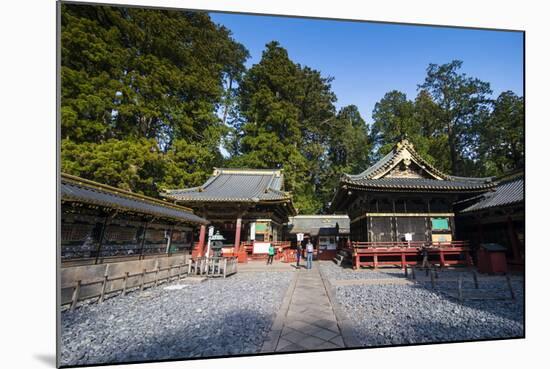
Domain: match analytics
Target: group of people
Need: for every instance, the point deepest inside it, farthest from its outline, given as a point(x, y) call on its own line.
point(309, 254)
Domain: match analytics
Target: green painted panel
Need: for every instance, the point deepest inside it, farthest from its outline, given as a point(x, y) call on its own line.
point(261, 227)
point(440, 223)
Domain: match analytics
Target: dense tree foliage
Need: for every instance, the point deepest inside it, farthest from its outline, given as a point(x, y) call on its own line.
point(501, 142)
point(131, 74)
point(288, 120)
point(453, 123)
point(149, 97)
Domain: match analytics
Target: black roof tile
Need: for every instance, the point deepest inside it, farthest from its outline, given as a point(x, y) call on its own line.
point(76, 189)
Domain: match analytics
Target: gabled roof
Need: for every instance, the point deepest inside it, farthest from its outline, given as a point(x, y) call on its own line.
point(404, 168)
point(236, 185)
point(79, 190)
point(318, 224)
point(506, 193)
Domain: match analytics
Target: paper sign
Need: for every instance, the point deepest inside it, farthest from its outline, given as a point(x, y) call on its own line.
point(261, 247)
point(299, 237)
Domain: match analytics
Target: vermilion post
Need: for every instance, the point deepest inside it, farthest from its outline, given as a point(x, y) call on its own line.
point(237, 235)
point(202, 236)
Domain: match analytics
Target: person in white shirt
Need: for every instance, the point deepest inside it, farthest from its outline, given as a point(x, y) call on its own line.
point(309, 251)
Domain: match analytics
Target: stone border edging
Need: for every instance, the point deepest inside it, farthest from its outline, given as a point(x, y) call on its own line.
point(343, 322)
point(272, 339)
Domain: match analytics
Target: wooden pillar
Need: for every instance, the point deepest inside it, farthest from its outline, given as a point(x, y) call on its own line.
point(375, 261)
point(101, 237)
point(143, 239)
point(238, 234)
point(403, 260)
point(441, 257)
point(202, 237)
point(169, 242)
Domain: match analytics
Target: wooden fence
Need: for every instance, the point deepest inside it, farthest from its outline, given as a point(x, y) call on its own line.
point(213, 267)
point(115, 284)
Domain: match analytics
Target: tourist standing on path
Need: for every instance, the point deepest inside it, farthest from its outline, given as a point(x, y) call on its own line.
point(298, 253)
point(309, 249)
point(270, 252)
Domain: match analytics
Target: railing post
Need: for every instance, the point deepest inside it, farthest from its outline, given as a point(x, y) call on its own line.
point(142, 280)
point(76, 295)
point(125, 283)
point(104, 286)
point(441, 258)
point(475, 279)
point(156, 272)
point(509, 281)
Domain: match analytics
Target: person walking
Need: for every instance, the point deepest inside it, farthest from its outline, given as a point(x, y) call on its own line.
point(298, 253)
point(425, 262)
point(309, 250)
point(270, 254)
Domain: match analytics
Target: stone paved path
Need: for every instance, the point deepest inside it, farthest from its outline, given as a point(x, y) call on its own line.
point(306, 320)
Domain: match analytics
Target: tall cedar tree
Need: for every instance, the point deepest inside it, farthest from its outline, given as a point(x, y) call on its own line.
point(502, 135)
point(286, 111)
point(131, 74)
point(464, 102)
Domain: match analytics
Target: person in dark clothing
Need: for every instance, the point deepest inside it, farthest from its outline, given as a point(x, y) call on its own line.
point(424, 253)
point(298, 254)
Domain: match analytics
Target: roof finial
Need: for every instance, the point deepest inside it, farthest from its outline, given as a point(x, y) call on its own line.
point(404, 140)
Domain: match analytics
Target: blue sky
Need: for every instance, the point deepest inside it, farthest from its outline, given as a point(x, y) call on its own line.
point(369, 59)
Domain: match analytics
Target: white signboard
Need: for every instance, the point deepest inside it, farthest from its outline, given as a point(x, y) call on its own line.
point(253, 231)
point(299, 237)
point(261, 247)
point(408, 237)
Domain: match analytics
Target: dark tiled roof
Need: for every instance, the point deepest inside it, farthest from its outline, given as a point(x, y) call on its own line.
point(318, 224)
point(403, 169)
point(506, 193)
point(419, 184)
point(76, 189)
point(236, 185)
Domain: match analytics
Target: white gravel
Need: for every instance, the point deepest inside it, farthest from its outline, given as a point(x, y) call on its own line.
point(215, 318)
point(415, 313)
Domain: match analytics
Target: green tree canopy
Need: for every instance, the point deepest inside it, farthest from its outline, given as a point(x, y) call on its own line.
point(501, 143)
point(463, 102)
point(130, 74)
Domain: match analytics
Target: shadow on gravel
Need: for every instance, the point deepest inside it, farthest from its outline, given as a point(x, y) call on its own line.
point(495, 289)
point(237, 333)
point(433, 332)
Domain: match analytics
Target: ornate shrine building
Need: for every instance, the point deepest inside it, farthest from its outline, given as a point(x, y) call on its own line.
point(247, 206)
point(403, 201)
point(497, 216)
point(101, 223)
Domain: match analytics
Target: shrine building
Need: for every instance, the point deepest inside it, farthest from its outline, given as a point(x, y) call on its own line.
point(247, 206)
point(497, 216)
point(103, 224)
point(402, 200)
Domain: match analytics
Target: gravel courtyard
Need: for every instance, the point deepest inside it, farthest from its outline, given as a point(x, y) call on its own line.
point(212, 318)
point(404, 312)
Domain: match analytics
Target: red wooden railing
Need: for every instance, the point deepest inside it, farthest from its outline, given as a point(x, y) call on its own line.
point(407, 253)
point(415, 244)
